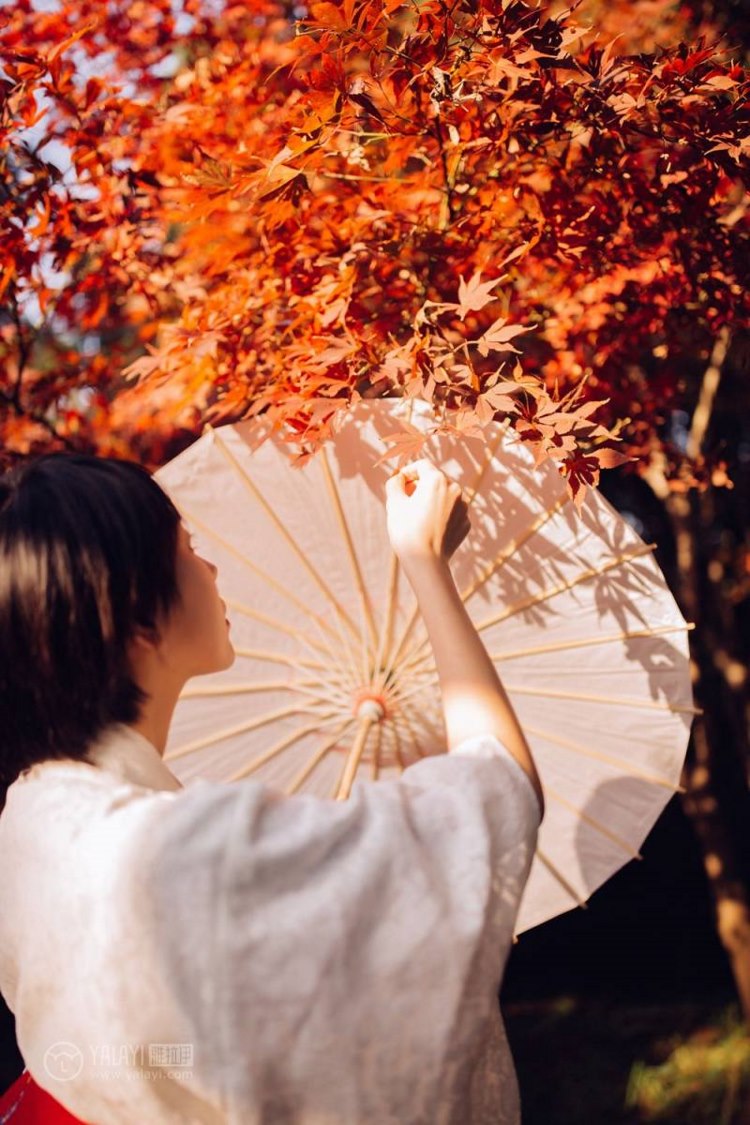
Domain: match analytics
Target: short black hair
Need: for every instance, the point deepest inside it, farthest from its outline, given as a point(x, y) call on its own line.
point(88, 551)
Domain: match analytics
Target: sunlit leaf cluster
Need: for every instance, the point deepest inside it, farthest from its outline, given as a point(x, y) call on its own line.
point(276, 210)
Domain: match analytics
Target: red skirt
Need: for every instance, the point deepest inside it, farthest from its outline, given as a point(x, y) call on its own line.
point(25, 1103)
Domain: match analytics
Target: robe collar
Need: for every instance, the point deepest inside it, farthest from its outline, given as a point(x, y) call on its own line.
point(125, 752)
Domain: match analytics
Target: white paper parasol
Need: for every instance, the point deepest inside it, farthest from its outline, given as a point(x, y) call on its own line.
point(334, 680)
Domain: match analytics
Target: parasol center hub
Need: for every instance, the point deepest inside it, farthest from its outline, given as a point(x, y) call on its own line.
point(370, 705)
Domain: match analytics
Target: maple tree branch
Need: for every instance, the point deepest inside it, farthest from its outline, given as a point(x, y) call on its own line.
point(37, 416)
point(13, 397)
point(354, 176)
point(707, 396)
point(24, 351)
point(362, 133)
point(446, 173)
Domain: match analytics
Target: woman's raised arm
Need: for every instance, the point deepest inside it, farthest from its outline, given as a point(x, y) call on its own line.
point(427, 521)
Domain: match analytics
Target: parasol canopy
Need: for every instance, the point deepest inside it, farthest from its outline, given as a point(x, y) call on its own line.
point(334, 683)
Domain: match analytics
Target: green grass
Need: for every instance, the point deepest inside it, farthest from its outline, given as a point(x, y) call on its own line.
point(611, 1063)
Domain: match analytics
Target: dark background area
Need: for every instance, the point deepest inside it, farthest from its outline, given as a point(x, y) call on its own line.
point(589, 996)
point(11, 1063)
point(647, 934)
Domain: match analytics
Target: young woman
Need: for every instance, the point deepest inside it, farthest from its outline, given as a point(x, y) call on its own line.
point(221, 953)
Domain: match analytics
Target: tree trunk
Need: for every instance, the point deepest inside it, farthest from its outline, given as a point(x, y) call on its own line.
point(716, 799)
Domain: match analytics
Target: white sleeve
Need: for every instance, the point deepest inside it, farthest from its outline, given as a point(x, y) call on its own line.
point(488, 747)
point(304, 929)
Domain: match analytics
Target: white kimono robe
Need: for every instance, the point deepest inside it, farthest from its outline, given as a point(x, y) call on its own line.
point(219, 953)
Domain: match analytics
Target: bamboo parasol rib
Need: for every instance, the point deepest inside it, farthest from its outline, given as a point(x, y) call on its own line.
point(284, 532)
point(350, 551)
point(298, 781)
point(241, 728)
point(623, 635)
point(221, 541)
point(353, 758)
point(591, 820)
point(628, 769)
point(282, 744)
point(577, 897)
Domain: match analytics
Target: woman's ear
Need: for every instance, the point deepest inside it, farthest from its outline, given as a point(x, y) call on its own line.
point(144, 639)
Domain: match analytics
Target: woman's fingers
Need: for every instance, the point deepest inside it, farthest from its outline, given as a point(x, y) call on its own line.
point(406, 480)
point(425, 510)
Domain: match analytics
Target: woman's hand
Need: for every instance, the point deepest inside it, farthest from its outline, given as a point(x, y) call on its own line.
point(426, 514)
